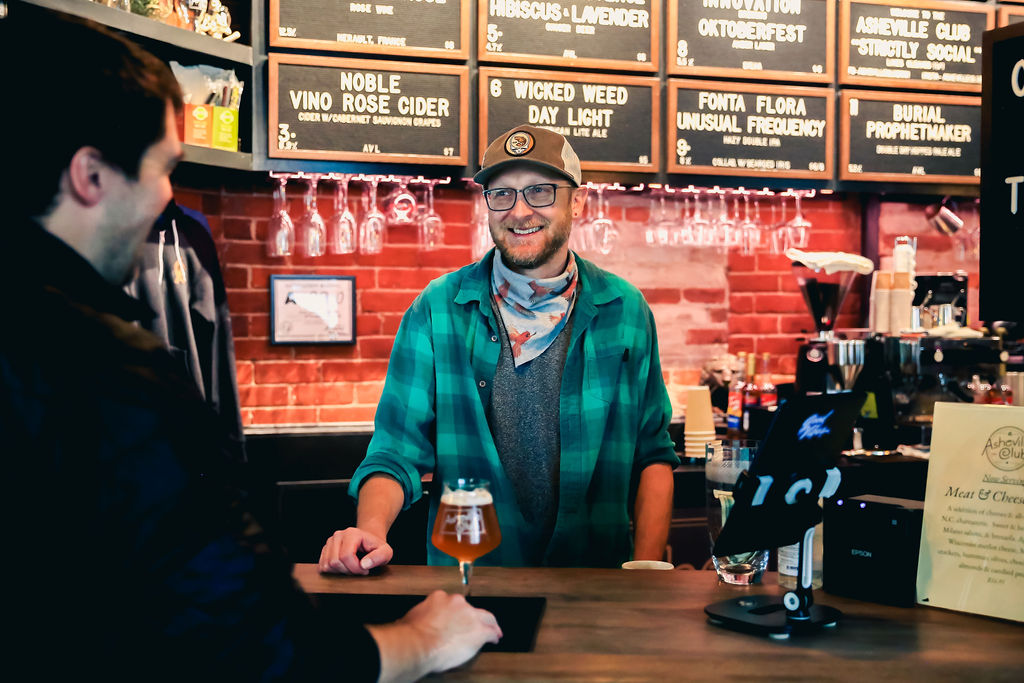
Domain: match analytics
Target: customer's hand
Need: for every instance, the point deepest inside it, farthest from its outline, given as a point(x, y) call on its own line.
point(438, 634)
point(354, 551)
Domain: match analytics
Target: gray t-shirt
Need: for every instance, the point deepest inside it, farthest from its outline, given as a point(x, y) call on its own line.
point(523, 416)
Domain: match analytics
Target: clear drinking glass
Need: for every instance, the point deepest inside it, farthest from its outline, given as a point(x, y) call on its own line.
point(371, 231)
point(798, 227)
point(280, 230)
point(431, 225)
point(482, 240)
point(466, 526)
point(725, 461)
point(312, 229)
point(601, 228)
point(780, 233)
point(702, 229)
point(750, 227)
point(402, 204)
point(341, 227)
point(725, 225)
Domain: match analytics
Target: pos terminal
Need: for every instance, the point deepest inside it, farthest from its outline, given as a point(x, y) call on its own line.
point(775, 503)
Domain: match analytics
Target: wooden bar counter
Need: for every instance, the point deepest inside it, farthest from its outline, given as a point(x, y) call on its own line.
point(619, 625)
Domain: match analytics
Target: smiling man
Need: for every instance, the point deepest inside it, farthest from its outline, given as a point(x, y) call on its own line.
point(533, 369)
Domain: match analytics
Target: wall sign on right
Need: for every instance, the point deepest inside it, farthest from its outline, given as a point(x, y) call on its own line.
point(910, 137)
point(923, 44)
point(1011, 15)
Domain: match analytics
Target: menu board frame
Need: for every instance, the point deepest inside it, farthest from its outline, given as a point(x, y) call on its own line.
point(1007, 11)
point(827, 77)
point(653, 83)
point(651, 65)
point(883, 96)
point(462, 53)
point(843, 37)
point(276, 59)
point(674, 85)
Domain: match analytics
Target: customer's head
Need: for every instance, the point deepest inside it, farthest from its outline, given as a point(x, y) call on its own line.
point(93, 138)
point(531, 179)
point(77, 85)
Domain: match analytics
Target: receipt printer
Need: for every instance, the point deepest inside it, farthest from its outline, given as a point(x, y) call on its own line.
point(871, 547)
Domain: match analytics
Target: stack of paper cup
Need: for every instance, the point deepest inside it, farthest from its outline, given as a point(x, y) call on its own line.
point(700, 424)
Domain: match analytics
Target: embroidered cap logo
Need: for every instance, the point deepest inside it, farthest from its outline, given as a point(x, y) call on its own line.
point(814, 426)
point(519, 143)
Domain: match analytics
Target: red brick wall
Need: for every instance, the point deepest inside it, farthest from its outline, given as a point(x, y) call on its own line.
point(705, 302)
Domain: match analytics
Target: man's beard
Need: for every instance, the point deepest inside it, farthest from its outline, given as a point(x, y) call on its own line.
point(555, 238)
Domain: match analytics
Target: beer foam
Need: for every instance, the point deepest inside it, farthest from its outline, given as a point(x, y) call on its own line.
point(463, 498)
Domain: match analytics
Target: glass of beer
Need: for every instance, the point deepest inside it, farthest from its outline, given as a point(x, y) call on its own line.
point(466, 526)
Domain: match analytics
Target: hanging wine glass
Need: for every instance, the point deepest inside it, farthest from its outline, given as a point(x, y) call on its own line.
point(482, 240)
point(702, 229)
point(341, 227)
point(725, 226)
point(579, 237)
point(750, 227)
point(312, 231)
point(684, 235)
point(431, 225)
point(401, 204)
point(798, 227)
point(780, 234)
point(280, 230)
point(371, 231)
point(664, 227)
point(602, 228)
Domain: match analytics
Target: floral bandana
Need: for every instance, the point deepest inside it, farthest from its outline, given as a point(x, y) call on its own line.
point(534, 311)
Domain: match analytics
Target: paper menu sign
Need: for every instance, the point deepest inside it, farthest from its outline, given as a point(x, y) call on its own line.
point(972, 540)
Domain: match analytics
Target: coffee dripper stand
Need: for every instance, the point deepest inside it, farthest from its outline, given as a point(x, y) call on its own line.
point(825, 364)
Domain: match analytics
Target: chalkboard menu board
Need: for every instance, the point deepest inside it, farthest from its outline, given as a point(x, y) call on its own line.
point(767, 39)
point(923, 44)
point(418, 28)
point(326, 108)
point(1011, 15)
point(750, 129)
point(611, 121)
point(910, 137)
point(1002, 179)
point(609, 34)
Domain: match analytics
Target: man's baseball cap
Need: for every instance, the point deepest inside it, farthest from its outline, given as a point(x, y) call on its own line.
point(530, 145)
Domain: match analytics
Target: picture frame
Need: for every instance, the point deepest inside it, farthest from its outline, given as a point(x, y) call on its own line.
point(312, 309)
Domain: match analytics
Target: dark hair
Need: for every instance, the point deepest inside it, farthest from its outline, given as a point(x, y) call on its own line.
point(68, 84)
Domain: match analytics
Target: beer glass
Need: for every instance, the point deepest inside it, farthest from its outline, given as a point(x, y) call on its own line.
point(466, 526)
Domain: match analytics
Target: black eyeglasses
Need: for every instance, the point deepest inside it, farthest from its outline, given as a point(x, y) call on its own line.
point(538, 196)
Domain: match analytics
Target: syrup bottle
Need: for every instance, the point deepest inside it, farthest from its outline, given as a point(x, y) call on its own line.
point(751, 392)
point(769, 393)
point(734, 409)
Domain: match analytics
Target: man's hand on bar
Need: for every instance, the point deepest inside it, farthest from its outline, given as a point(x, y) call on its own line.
point(354, 551)
point(358, 549)
point(438, 634)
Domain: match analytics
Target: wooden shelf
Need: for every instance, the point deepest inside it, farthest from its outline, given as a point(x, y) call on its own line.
point(207, 156)
point(150, 28)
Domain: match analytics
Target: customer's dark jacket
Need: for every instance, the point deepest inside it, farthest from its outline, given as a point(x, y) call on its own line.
point(128, 552)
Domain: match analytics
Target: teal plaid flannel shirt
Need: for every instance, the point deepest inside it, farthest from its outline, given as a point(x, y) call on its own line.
point(614, 412)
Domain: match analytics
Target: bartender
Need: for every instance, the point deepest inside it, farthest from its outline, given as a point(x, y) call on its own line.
point(533, 369)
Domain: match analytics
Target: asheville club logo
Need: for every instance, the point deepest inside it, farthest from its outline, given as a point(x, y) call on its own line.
point(1004, 448)
point(814, 426)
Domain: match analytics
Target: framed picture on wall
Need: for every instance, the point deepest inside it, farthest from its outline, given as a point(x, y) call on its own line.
point(312, 309)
